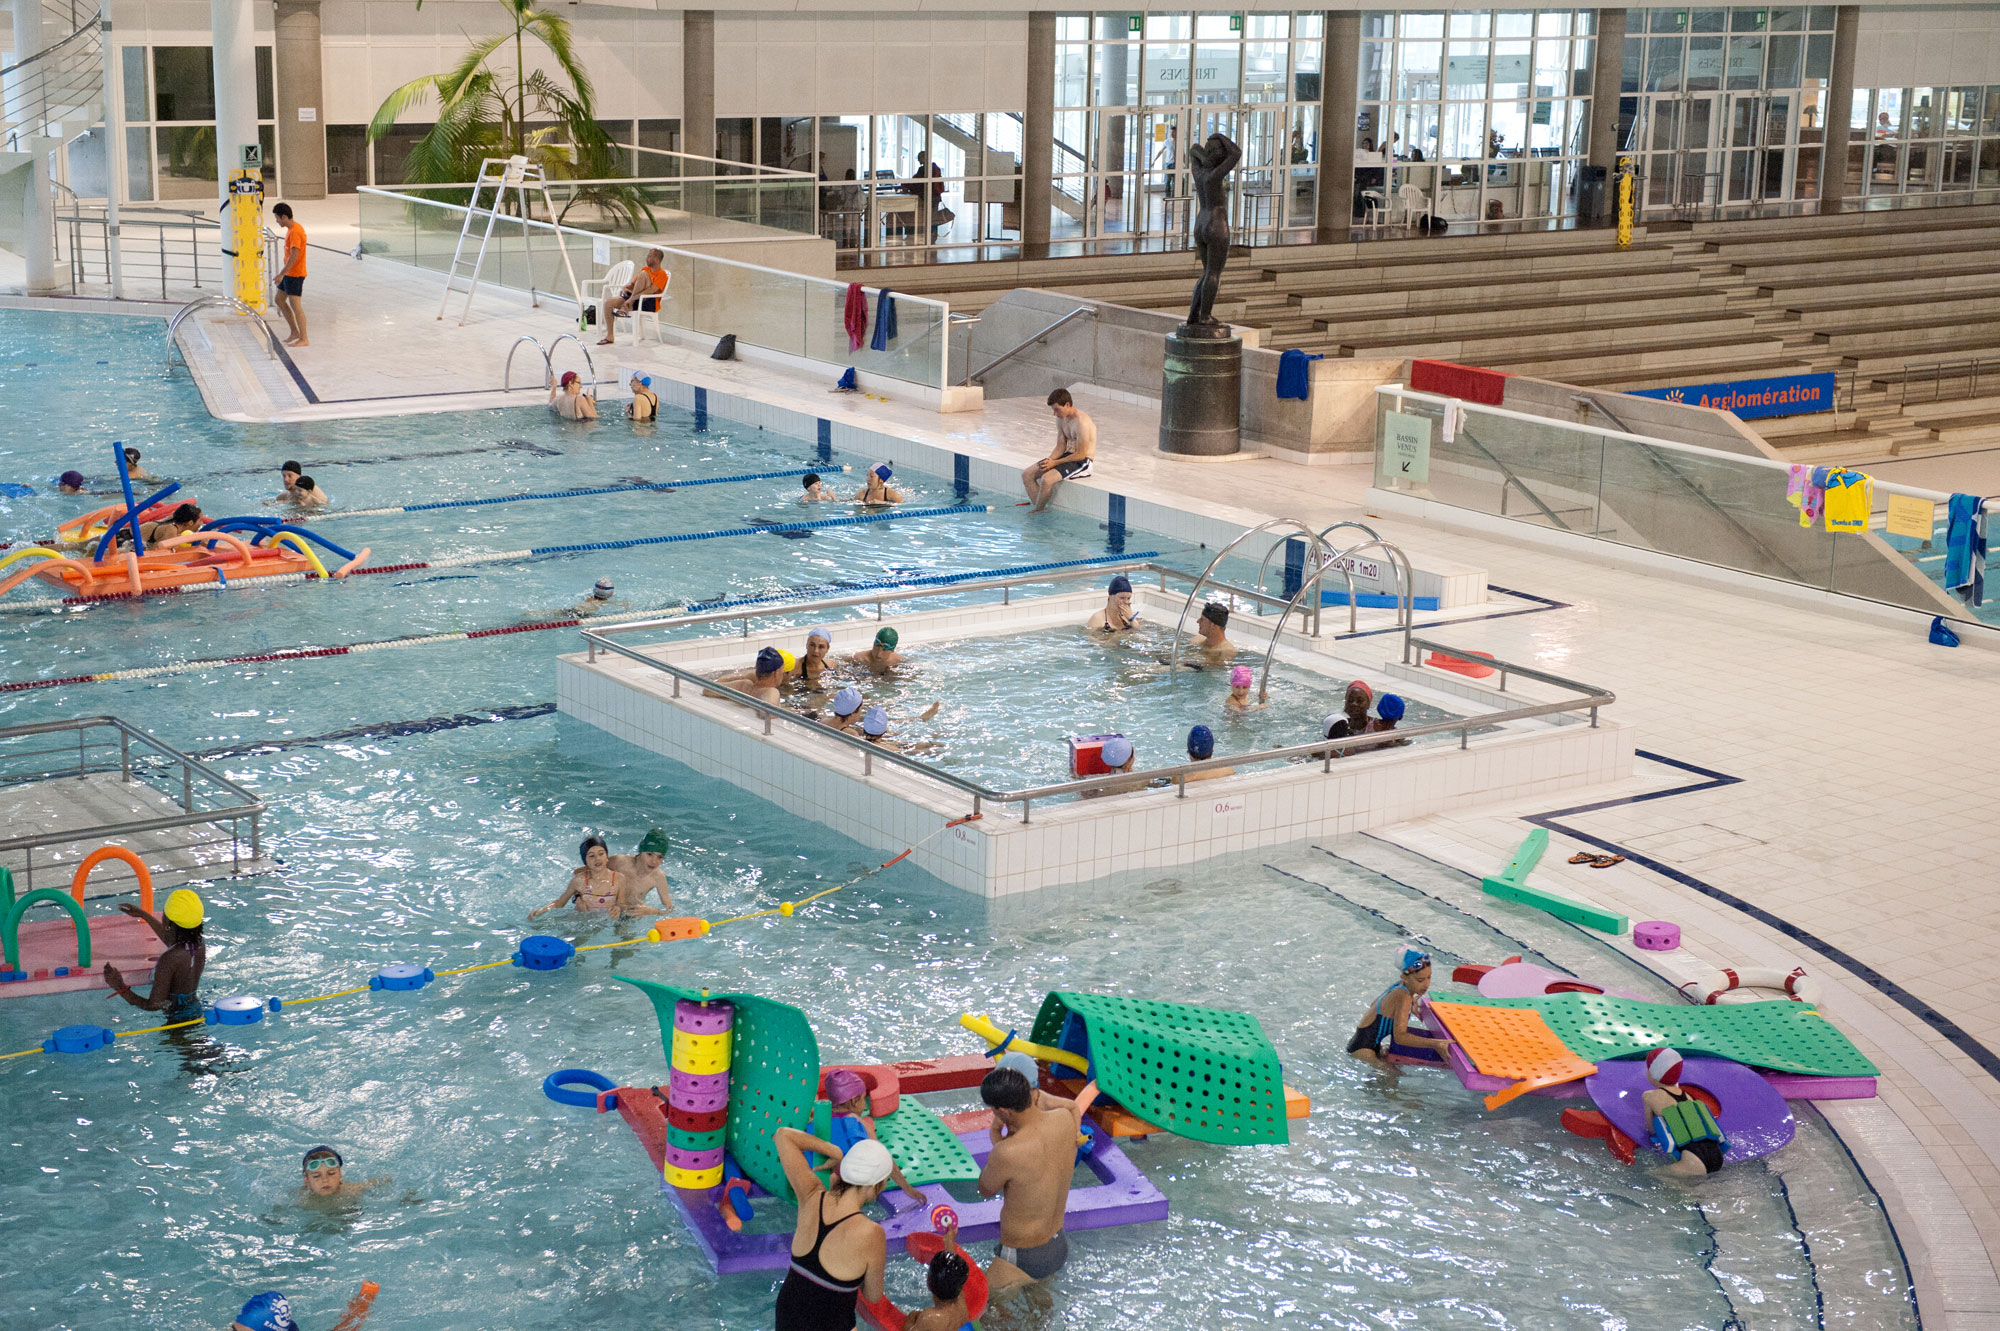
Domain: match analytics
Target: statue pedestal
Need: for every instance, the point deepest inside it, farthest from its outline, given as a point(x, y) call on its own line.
point(1201, 392)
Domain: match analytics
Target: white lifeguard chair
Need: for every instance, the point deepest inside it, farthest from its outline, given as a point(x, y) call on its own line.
point(501, 174)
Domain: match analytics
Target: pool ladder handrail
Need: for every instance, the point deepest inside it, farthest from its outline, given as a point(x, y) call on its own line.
point(548, 354)
point(1405, 601)
point(1323, 532)
point(1314, 547)
point(181, 316)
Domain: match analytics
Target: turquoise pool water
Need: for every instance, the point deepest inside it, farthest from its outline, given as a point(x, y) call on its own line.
point(423, 800)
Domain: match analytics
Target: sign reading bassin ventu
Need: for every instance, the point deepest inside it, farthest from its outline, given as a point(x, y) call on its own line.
point(1785, 395)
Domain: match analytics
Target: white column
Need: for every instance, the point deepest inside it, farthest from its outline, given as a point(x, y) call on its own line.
point(114, 155)
point(235, 28)
point(38, 244)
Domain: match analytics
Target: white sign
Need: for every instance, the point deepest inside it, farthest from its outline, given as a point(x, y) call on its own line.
point(308, 114)
point(253, 156)
point(600, 251)
point(1226, 809)
point(1365, 569)
point(1406, 446)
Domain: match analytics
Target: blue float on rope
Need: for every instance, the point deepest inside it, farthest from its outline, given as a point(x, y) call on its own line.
point(401, 975)
point(77, 1040)
point(544, 952)
point(557, 1087)
point(241, 1010)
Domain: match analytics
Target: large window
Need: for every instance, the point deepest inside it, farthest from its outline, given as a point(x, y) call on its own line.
point(1479, 116)
point(1924, 140)
point(1726, 108)
point(170, 122)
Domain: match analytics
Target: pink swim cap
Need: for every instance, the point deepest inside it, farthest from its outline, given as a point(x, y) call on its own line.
point(1240, 677)
point(843, 1084)
point(568, 378)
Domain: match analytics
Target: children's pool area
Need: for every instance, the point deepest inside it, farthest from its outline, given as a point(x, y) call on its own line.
point(424, 794)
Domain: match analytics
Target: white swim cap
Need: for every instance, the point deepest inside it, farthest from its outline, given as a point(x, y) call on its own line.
point(866, 1163)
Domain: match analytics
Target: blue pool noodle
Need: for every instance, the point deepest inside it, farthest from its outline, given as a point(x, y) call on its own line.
point(131, 516)
point(269, 527)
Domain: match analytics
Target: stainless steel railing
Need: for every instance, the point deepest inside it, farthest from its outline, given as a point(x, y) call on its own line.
point(137, 755)
point(212, 301)
point(1585, 698)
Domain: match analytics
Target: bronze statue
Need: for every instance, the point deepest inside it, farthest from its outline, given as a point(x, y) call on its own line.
point(1210, 164)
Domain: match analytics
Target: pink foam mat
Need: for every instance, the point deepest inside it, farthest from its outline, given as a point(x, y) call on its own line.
point(48, 945)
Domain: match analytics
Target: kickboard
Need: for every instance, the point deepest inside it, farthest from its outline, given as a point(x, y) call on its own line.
point(1782, 1035)
point(924, 1148)
point(1514, 1043)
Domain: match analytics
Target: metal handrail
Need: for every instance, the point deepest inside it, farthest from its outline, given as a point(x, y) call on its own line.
point(507, 372)
point(212, 299)
point(588, 363)
point(1588, 696)
point(1266, 562)
point(1935, 371)
point(1038, 338)
point(1314, 547)
point(247, 805)
point(1353, 607)
point(1406, 601)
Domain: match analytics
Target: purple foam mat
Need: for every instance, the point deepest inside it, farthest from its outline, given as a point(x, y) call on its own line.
point(1121, 1196)
point(1754, 1117)
point(703, 1018)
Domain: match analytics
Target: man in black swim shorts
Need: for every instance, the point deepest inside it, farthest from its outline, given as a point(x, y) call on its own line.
point(1076, 445)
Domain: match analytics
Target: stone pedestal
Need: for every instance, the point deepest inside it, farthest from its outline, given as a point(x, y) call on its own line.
point(1201, 392)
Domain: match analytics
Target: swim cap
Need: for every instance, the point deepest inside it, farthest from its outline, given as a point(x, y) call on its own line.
point(655, 843)
point(882, 472)
point(1415, 960)
point(1120, 586)
point(73, 479)
point(1216, 613)
point(887, 639)
point(1664, 1067)
point(1201, 742)
point(1241, 677)
point(643, 380)
point(822, 635)
point(319, 1151)
point(1021, 1063)
point(847, 702)
point(1390, 708)
point(184, 909)
point(866, 1163)
point(1117, 751)
point(875, 721)
point(791, 662)
point(1366, 692)
point(292, 467)
point(810, 479)
point(1335, 726)
point(269, 1311)
point(568, 377)
point(602, 591)
point(843, 1084)
point(131, 455)
point(769, 662)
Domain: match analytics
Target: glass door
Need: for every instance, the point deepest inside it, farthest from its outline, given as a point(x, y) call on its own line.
point(1162, 167)
point(1759, 126)
point(1683, 145)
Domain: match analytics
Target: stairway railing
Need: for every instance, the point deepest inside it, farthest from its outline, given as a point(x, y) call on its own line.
point(54, 83)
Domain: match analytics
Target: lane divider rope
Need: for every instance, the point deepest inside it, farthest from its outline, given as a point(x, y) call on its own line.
point(568, 494)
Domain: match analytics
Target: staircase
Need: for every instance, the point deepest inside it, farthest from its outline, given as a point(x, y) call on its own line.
point(46, 100)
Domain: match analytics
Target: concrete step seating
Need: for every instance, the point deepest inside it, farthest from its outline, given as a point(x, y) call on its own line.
point(1967, 237)
point(1946, 312)
point(1876, 267)
point(1510, 318)
point(1684, 362)
point(1649, 279)
point(1976, 278)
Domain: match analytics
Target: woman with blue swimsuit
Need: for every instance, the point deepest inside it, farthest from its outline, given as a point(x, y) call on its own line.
point(1386, 1024)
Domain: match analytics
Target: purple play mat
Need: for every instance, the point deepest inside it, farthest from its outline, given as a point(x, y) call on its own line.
point(1754, 1117)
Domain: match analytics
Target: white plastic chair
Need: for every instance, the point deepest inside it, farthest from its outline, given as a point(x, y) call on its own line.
point(1413, 201)
point(615, 279)
point(1375, 212)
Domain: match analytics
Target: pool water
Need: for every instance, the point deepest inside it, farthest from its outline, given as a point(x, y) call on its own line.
point(423, 800)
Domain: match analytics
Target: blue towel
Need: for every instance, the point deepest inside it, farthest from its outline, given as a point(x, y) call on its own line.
point(1293, 377)
point(1965, 548)
point(846, 383)
point(885, 322)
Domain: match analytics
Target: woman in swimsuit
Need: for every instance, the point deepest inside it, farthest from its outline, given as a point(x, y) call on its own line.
point(813, 664)
point(1387, 1021)
point(596, 886)
point(177, 974)
point(837, 1252)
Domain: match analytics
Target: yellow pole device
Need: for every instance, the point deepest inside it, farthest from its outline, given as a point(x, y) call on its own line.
point(246, 236)
point(1624, 202)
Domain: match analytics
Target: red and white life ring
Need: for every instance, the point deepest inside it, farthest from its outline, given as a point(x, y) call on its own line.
point(1794, 984)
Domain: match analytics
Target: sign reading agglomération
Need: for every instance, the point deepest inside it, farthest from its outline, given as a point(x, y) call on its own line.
point(1785, 395)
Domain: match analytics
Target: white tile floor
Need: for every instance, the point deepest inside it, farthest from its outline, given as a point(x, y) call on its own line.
point(1863, 755)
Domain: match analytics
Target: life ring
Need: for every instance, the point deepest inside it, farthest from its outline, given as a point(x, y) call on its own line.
point(1795, 984)
point(557, 1087)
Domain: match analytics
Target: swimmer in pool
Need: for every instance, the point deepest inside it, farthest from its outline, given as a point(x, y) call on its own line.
point(875, 729)
point(1335, 726)
point(1200, 748)
point(272, 1311)
point(568, 400)
point(1355, 704)
point(946, 1278)
point(642, 872)
point(134, 470)
point(186, 518)
point(324, 1181)
point(70, 483)
point(307, 494)
point(875, 488)
point(1689, 1124)
point(815, 491)
point(764, 679)
point(1030, 1169)
point(177, 974)
point(853, 1121)
point(1387, 713)
point(596, 886)
point(1117, 614)
point(645, 403)
point(1387, 1021)
point(599, 601)
point(288, 482)
point(1118, 755)
point(881, 657)
point(845, 711)
point(812, 666)
point(1241, 678)
point(1209, 629)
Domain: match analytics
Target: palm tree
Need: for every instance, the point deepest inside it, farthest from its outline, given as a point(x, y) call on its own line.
point(482, 113)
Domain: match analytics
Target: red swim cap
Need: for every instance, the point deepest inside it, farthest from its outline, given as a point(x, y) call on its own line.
point(568, 378)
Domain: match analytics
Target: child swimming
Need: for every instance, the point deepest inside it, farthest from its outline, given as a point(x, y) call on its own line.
point(848, 1094)
point(1239, 700)
point(597, 886)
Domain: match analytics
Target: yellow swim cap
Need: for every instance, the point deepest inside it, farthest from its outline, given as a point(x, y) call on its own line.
point(791, 662)
point(184, 909)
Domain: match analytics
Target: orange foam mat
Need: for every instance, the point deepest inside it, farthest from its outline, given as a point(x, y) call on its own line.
point(1514, 1043)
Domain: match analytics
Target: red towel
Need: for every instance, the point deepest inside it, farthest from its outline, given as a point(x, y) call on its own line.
point(856, 317)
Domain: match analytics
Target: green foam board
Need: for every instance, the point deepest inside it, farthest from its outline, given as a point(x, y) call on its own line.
point(1782, 1035)
point(924, 1146)
point(1563, 908)
point(1526, 858)
point(1203, 1073)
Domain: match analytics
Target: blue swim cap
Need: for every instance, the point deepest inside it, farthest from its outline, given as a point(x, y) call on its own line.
point(876, 722)
point(269, 1311)
point(769, 662)
point(1119, 584)
point(882, 471)
point(1117, 751)
point(847, 702)
point(1414, 960)
point(646, 379)
point(1201, 742)
point(1390, 708)
point(822, 635)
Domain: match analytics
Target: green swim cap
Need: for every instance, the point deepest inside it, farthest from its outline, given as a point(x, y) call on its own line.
point(655, 842)
point(886, 639)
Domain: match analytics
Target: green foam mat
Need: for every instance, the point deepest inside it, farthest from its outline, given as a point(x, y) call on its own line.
point(924, 1148)
point(696, 1141)
point(773, 1074)
point(1203, 1073)
point(1782, 1035)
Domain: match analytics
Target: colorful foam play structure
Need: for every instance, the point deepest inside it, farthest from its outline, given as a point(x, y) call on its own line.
point(217, 554)
point(62, 955)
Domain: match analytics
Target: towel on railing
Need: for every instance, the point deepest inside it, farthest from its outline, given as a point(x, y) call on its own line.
point(856, 316)
point(885, 321)
point(1294, 378)
point(1806, 491)
point(1849, 499)
point(1965, 548)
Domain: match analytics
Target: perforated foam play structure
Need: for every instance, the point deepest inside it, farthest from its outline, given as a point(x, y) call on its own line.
point(53, 956)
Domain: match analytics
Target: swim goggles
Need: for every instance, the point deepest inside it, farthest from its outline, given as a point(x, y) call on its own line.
point(317, 1163)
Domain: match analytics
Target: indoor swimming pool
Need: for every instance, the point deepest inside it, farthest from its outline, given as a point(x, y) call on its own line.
point(424, 799)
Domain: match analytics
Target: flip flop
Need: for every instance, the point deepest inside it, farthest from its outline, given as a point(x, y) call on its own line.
point(1583, 857)
point(1606, 861)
